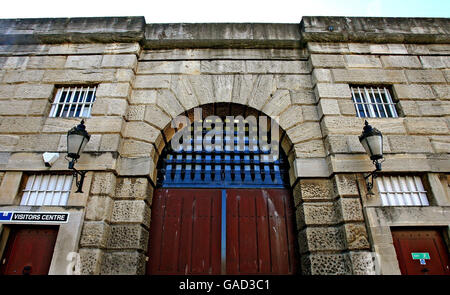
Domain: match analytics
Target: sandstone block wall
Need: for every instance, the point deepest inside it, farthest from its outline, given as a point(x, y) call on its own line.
point(147, 74)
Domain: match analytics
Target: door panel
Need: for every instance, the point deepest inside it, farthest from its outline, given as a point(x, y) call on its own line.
point(260, 233)
point(29, 248)
point(189, 226)
point(407, 241)
point(185, 232)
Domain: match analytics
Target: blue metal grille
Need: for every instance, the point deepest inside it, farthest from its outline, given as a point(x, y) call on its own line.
point(222, 169)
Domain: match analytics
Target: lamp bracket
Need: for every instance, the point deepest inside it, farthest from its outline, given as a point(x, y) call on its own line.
point(76, 173)
point(373, 175)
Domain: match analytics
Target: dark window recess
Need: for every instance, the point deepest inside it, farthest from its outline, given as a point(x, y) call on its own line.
point(220, 169)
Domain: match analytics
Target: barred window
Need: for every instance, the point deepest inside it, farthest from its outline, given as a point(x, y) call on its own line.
point(402, 191)
point(373, 102)
point(73, 102)
point(47, 190)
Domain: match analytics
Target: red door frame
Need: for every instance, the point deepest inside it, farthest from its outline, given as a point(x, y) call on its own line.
point(420, 240)
point(29, 250)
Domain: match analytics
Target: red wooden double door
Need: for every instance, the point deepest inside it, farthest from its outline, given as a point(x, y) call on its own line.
point(217, 231)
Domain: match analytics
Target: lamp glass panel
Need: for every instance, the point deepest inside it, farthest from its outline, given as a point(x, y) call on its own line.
point(74, 141)
point(374, 145)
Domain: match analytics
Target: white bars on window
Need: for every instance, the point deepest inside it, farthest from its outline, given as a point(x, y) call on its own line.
point(46, 190)
point(73, 102)
point(402, 191)
point(373, 102)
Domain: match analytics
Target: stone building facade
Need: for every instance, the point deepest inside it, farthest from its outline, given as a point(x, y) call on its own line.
point(147, 74)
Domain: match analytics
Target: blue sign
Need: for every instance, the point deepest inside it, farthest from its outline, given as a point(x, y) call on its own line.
point(34, 217)
point(5, 216)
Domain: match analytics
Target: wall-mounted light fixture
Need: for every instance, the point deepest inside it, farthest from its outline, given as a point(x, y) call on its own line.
point(372, 141)
point(77, 138)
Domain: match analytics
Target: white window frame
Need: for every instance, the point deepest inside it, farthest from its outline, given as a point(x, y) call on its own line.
point(73, 102)
point(47, 190)
point(368, 100)
point(402, 190)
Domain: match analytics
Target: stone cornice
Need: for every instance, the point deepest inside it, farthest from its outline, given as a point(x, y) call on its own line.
point(224, 35)
point(375, 29)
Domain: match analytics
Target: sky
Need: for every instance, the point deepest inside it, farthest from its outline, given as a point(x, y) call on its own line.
point(235, 11)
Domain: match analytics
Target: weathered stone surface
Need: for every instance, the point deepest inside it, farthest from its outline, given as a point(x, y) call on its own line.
point(46, 62)
point(169, 67)
point(204, 90)
point(141, 131)
point(291, 117)
point(119, 61)
point(351, 125)
point(325, 264)
point(347, 107)
point(351, 209)
point(310, 113)
point(90, 260)
point(123, 263)
point(15, 107)
point(121, 90)
point(168, 102)
point(425, 76)
point(426, 126)
point(183, 90)
point(222, 66)
point(128, 237)
point(324, 213)
point(435, 62)
point(99, 208)
point(264, 86)
point(346, 185)
point(394, 62)
point(322, 239)
point(310, 149)
point(356, 237)
point(325, 90)
point(76, 30)
point(38, 143)
point(413, 91)
point(321, 75)
point(293, 82)
point(305, 131)
point(367, 76)
point(83, 61)
point(20, 124)
point(327, 61)
point(152, 81)
point(136, 211)
point(143, 97)
point(277, 67)
point(33, 91)
point(135, 148)
point(303, 96)
point(315, 190)
point(110, 143)
point(279, 102)
point(94, 234)
point(442, 91)
point(135, 113)
point(133, 189)
point(328, 107)
point(103, 183)
point(109, 107)
point(78, 76)
point(154, 115)
point(20, 76)
point(363, 263)
point(362, 61)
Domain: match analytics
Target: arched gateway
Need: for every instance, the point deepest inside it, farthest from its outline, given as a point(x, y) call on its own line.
point(222, 203)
